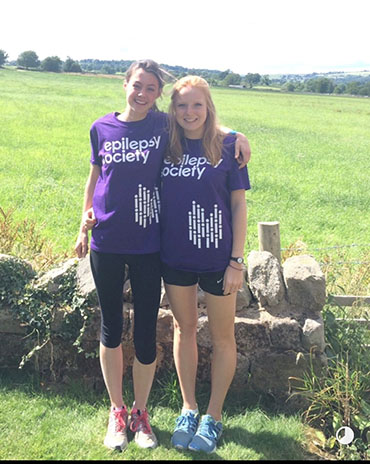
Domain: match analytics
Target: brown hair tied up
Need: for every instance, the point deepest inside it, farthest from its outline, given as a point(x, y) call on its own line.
point(152, 67)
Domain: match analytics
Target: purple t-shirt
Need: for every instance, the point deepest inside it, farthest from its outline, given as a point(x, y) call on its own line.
point(126, 197)
point(196, 221)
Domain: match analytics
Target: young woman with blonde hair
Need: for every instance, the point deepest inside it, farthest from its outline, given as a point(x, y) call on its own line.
point(203, 229)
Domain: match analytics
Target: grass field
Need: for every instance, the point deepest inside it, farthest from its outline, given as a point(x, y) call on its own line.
point(309, 167)
point(37, 423)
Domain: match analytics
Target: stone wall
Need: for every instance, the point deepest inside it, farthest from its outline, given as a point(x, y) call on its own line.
point(279, 329)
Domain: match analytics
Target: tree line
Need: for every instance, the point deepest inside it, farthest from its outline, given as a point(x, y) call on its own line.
point(30, 60)
point(295, 83)
point(329, 86)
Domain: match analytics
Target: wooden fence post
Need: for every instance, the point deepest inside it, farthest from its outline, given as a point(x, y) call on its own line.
point(269, 238)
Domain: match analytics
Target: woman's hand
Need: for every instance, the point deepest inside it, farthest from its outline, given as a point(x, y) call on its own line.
point(82, 243)
point(89, 219)
point(233, 278)
point(242, 150)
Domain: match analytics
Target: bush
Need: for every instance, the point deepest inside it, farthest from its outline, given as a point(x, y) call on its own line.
point(52, 64)
point(28, 59)
point(341, 397)
point(3, 57)
point(71, 66)
point(14, 275)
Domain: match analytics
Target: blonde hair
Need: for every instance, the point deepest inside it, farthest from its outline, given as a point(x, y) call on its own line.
point(212, 137)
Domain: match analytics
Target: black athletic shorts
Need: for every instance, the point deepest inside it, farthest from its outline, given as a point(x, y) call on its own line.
point(210, 282)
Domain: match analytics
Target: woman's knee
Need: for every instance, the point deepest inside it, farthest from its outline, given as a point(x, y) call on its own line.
point(111, 339)
point(111, 328)
point(185, 328)
point(224, 341)
point(145, 352)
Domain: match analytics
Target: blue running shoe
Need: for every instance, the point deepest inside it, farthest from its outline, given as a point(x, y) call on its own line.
point(186, 426)
point(207, 436)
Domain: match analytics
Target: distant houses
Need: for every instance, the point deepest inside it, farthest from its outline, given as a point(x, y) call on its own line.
point(237, 86)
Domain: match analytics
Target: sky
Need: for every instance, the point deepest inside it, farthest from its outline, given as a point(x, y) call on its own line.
point(266, 37)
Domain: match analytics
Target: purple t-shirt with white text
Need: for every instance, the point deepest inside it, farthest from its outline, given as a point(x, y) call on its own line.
point(196, 220)
point(126, 197)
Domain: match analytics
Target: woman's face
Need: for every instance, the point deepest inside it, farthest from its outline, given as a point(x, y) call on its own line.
point(142, 90)
point(191, 111)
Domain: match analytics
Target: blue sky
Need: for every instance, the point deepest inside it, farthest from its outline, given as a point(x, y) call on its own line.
point(280, 36)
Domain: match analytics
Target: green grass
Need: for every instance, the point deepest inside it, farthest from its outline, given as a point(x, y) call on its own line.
point(310, 164)
point(70, 423)
point(309, 167)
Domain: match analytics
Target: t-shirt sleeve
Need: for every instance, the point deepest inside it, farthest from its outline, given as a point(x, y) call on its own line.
point(239, 178)
point(94, 142)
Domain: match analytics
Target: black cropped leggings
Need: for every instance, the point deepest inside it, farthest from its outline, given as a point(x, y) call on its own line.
point(108, 270)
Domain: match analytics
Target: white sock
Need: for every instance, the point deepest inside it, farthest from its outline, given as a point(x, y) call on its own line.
point(118, 409)
point(187, 411)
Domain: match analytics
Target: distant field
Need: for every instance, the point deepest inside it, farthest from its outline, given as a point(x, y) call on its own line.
point(309, 168)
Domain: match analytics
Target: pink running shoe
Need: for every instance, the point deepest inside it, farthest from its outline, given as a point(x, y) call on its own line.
point(116, 437)
point(139, 424)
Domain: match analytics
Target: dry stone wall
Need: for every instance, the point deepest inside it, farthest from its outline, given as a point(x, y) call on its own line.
point(278, 327)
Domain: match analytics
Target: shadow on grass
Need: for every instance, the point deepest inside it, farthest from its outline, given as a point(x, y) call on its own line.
point(267, 445)
point(262, 445)
point(166, 392)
